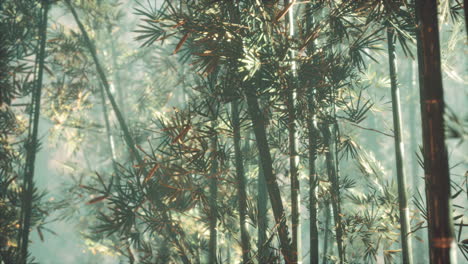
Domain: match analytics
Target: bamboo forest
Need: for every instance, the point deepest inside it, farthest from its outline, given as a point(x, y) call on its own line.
point(233, 131)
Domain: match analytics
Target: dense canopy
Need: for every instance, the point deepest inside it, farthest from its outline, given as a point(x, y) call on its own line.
point(233, 131)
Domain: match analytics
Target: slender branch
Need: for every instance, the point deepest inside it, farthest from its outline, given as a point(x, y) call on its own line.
point(28, 185)
point(370, 129)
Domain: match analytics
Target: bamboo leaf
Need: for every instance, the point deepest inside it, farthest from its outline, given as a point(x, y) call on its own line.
point(181, 42)
point(98, 199)
point(151, 173)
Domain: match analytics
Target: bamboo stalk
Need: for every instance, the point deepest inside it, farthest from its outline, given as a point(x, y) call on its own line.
point(329, 133)
point(325, 238)
point(92, 49)
point(262, 224)
point(213, 183)
point(259, 127)
point(240, 176)
point(399, 152)
point(293, 142)
point(110, 140)
point(436, 167)
point(312, 136)
point(28, 184)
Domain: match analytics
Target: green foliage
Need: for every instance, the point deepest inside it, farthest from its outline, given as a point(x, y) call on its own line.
point(173, 83)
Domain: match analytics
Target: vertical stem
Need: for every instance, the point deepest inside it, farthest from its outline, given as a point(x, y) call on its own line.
point(293, 153)
point(415, 170)
point(259, 127)
point(330, 141)
point(213, 243)
point(240, 175)
point(313, 178)
point(108, 129)
point(262, 222)
point(412, 120)
point(110, 139)
point(399, 151)
point(325, 238)
point(117, 79)
point(128, 138)
point(436, 167)
point(28, 184)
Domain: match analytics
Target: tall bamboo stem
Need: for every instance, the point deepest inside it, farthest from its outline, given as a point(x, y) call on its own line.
point(28, 184)
point(329, 134)
point(240, 177)
point(399, 152)
point(325, 236)
point(293, 142)
point(436, 167)
point(312, 136)
point(262, 222)
point(110, 139)
point(213, 243)
point(259, 127)
point(92, 49)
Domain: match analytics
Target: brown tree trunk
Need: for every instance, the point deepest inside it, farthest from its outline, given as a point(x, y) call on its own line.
point(436, 167)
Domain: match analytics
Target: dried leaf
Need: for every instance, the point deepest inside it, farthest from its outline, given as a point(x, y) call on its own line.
point(151, 173)
point(179, 24)
point(97, 199)
point(182, 134)
point(181, 42)
point(284, 11)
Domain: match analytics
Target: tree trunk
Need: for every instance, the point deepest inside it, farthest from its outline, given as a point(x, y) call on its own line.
point(325, 230)
point(313, 178)
point(28, 183)
point(213, 243)
point(110, 139)
point(240, 175)
point(329, 135)
point(436, 167)
point(259, 127)
point(262, 217)
point(399, 152)
point(415, 170)
point(293, 142)
point(117, 80)
point(413, 123)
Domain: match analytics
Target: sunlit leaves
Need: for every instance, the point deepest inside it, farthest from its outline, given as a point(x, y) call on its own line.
point(227, 59)
point(357, 109)
point(363, 44)
point(250, 64)
point(150, 32)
